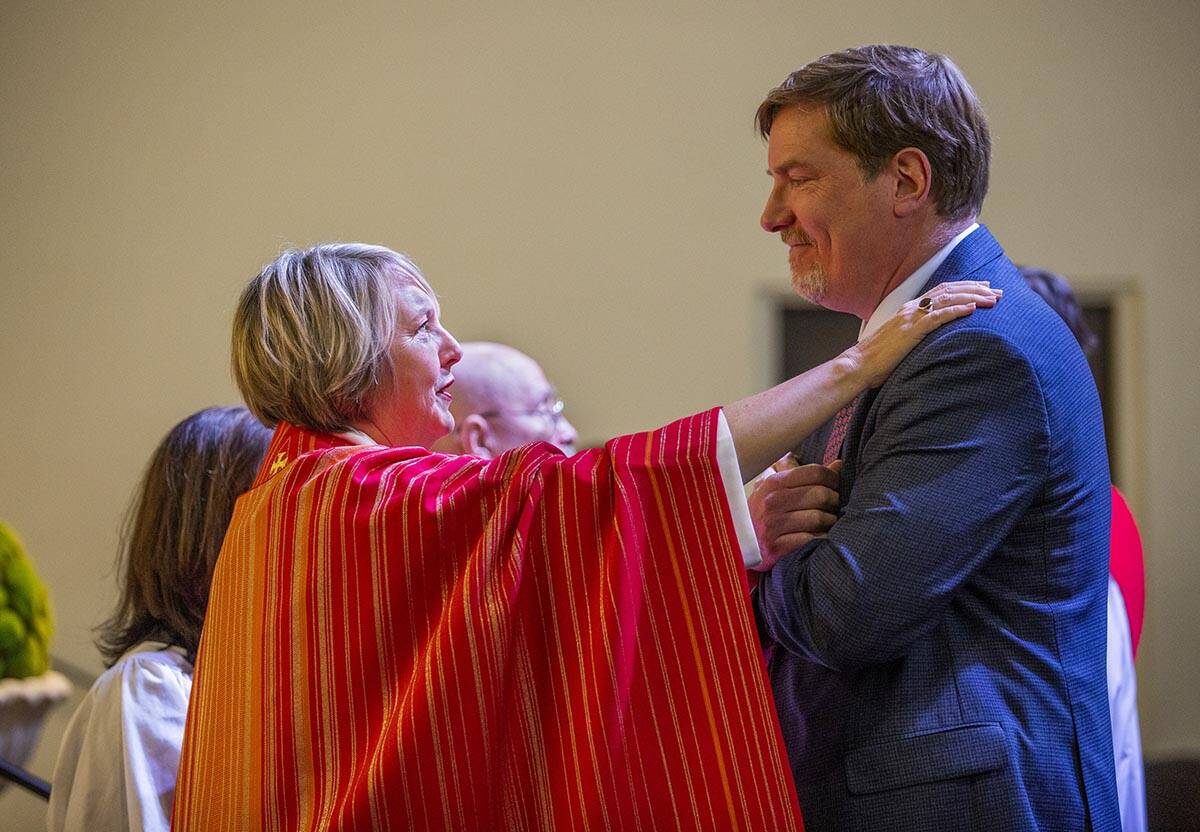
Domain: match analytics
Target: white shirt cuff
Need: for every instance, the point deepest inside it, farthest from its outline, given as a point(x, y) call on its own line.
point(735, 494)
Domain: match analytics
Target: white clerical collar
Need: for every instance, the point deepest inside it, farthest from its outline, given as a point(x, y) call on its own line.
point(911, 287)
point(355, 437)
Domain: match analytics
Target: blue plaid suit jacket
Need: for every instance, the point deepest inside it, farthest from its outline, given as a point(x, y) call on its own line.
point(939, 660)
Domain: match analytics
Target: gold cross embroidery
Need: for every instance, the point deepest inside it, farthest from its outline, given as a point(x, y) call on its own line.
point(280, 462)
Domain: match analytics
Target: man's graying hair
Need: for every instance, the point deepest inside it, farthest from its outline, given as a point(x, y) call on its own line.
point(881, 99)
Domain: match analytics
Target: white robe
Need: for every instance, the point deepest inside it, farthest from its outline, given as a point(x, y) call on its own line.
point(1122, 706)
point(119, 757)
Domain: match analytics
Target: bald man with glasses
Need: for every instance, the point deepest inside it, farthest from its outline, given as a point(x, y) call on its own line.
point(502, 400)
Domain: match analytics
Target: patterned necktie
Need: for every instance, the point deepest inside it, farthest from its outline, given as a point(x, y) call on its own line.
point(837, 434)
point(833, 450)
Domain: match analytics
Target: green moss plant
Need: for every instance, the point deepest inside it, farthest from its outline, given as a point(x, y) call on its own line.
point(26, 623)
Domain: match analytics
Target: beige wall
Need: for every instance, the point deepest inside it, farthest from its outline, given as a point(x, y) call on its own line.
point(584, 183)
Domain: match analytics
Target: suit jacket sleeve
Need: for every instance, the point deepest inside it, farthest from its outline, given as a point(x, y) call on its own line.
point(953, 452)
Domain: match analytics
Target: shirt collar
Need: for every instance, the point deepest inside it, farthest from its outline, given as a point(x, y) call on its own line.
point(911, 287)
point(355, 437)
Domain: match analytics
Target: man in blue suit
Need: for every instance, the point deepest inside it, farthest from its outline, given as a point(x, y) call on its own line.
point(938, 658)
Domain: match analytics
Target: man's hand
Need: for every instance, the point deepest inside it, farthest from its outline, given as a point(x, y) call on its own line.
point(793, 505)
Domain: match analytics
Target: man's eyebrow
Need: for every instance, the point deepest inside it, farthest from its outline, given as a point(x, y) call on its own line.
point(790, 164)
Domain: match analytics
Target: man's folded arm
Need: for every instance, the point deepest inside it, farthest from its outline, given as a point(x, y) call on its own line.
point(959, 453)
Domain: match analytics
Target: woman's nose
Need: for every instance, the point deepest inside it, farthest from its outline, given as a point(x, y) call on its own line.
point(451, 351)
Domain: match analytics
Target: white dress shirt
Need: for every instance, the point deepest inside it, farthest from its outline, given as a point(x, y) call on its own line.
point(1122, 709)
point(119, 757)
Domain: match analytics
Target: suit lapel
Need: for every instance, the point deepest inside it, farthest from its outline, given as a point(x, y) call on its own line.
point(975, 251)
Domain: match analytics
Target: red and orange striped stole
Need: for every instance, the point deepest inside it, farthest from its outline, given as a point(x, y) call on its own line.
point(404, 640)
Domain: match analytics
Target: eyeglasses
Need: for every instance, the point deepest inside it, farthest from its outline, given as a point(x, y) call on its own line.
point(552, 411)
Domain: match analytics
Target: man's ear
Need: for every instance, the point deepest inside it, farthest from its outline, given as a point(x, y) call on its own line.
point(913, 178)
point(474, 436)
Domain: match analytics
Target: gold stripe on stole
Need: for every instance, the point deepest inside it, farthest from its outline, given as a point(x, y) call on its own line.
point(274, 767)
point(560, 650)
point(653, 588)
point(699, 564)
point(703, 564)
point(734, 626)
point(441, 655)
point(302, 740)
point(384, 618)
point(587, 672)
point(531, 733)
point(618, 556)
point(242, 650)
point(238, 635)
point(248, 653)
point(667, 764)
point(706, 696)
point(405, 715)
point(425, 655)
point(751, 676)
point(477, 611)
point(451, 590)
point(529, 686)
point(636, 753)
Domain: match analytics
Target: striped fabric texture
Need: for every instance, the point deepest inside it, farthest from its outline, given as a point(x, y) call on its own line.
point(412, 641)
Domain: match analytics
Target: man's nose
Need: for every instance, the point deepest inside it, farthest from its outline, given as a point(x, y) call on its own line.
point(566, 434)
point(775, 215)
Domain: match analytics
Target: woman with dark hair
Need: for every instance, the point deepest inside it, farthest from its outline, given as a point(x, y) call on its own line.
point(120, 754)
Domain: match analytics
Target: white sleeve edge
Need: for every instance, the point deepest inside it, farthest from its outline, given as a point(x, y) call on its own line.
point(1122, 703)
point(735, 494)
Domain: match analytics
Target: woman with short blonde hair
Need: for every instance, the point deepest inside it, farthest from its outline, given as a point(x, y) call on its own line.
point(311, 332)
